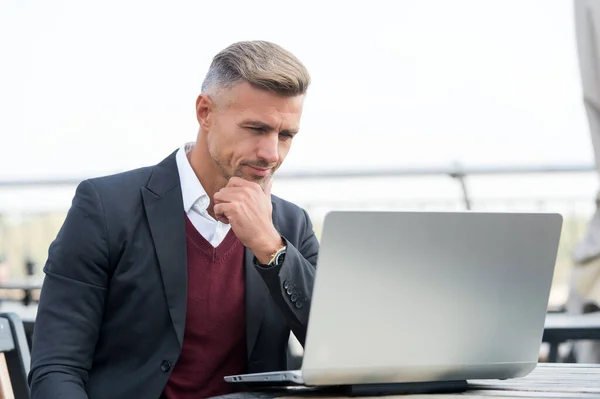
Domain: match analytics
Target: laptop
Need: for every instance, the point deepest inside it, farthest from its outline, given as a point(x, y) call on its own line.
point(418, 297)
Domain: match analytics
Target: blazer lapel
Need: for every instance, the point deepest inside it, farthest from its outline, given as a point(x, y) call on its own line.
point(164, 210)
point(256, 296)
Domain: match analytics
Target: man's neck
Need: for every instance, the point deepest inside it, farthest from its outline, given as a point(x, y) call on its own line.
point(207, 173)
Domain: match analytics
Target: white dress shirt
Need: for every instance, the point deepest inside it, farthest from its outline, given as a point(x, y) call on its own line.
point(196, 201)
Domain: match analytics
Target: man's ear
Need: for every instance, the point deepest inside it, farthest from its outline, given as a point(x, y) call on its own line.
point(204, 110)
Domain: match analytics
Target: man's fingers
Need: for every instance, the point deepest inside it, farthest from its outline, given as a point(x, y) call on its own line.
point(229, 194)
point(239, 182)
point(220, 213)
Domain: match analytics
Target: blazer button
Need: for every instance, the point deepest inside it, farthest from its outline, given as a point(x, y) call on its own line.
point(286, 285)
point(299, 304)
point(294, 298)
point(165, 365)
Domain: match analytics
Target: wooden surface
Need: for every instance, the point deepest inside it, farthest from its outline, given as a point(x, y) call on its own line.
point(547, 381)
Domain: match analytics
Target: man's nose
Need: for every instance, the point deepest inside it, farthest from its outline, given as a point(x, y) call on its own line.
point(269, 148)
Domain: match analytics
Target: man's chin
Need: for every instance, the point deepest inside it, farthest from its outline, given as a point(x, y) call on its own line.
point(260, 180)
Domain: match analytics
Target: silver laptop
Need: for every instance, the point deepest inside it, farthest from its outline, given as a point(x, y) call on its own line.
point(406, 297)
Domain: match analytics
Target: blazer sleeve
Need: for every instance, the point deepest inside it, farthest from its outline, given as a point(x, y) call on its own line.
point(291, 283)
point(71, 301)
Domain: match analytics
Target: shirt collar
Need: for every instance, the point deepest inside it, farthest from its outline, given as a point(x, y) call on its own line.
point(192, 191)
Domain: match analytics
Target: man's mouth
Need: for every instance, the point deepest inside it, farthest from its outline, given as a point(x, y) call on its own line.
point(258, 170)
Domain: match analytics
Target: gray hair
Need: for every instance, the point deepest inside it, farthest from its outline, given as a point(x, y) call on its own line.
point(262, 64)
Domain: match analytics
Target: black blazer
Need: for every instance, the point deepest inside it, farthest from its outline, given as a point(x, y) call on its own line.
point(112, 309)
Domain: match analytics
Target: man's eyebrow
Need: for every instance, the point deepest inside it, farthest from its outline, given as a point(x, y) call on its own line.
point(264, 126)
point(257, 124)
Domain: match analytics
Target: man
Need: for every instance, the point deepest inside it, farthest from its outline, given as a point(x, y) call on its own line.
point(164, 279)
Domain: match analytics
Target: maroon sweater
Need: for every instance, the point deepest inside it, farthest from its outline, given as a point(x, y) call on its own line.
point(214, 343)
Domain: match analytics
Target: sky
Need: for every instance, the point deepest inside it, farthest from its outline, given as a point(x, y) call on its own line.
point(90, 88)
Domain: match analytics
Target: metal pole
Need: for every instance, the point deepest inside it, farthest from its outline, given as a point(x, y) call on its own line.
point(460, 176)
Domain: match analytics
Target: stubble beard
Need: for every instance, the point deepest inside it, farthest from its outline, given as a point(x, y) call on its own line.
point(238, 172)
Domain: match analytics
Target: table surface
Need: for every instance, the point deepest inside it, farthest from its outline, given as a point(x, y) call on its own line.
point(565, 320)
point(560, 327)
point(23, 283)
point(547, 381)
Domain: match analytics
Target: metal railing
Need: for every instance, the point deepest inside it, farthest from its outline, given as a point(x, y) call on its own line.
point(33, 240)
point(456, 172)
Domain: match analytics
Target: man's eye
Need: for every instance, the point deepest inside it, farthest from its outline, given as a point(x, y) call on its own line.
point(286, 136)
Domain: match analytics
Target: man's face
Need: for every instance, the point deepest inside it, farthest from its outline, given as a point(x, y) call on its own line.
point(249, 131)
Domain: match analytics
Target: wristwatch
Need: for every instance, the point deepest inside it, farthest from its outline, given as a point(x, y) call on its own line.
point(276, 259)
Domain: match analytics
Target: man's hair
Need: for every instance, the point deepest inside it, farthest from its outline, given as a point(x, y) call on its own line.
point(262, 64)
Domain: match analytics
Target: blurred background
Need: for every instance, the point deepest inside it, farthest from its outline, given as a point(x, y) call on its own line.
point(429, 105)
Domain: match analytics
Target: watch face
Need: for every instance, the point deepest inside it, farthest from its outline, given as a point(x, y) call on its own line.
point(280, 258)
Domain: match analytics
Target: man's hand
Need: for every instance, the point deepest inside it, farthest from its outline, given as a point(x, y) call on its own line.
point(248, 209)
